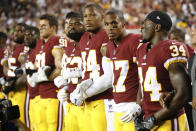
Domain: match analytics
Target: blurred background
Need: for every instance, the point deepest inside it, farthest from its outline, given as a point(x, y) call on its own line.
point(182, 12)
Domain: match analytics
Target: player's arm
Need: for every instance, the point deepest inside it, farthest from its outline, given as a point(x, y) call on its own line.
point(139, 96)
point(103, 82)
point(91, 87)
point(57, 54)
point(5, 67)
point(181, 83)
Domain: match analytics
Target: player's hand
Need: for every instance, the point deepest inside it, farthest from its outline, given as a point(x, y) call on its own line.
point(59, 81)
point(145, 125)
point(71, 73)
point(76, 97)
point(194, 102)
point(19, 71)
point(84, 85)
point(62, 95)
point(133, 110)
point(166, 97)
point(2, 80)
point(42, 74)
point(32, 80)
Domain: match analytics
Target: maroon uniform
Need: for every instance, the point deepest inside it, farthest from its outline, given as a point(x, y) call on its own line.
point(153, 72)
point(125, 85)
point(30, 59)
point(72, 59)
point(92, 57)
point(1, 57)
point(44, 57)
point(13, 62)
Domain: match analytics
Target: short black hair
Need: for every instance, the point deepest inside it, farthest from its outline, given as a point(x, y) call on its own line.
point(3, 35)
point(37, 31)
point(22, 24)
point(116, 12)
point(96, 6)
point(51, 19)
point(73, 14)
point(178, 31)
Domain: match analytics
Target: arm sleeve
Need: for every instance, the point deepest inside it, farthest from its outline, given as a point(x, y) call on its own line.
point(103, 82)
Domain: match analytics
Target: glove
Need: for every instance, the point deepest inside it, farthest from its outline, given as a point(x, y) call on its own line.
point(145, 125)
point(132, 111)
point(2, 80)
point(32, 80)
point(76, 97)
point(84, 85)
point(23, 71)
point(19, 71)
point(42, 74)
point(62, 95)
point(71, 73)
point(59, 81)
point(9, 85)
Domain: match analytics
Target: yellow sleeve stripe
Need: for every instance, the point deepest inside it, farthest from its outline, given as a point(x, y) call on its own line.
point(3, 61)
point(134, 60)
point(175, 60)
point(55, 47)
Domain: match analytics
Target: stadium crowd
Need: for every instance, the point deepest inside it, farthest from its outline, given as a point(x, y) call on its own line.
point(182, 12)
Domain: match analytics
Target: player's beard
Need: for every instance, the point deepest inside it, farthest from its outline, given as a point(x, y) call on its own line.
point(19, 41)
point(75, 36)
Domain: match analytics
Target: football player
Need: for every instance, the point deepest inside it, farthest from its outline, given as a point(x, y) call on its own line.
point(71, 72)
point(31, 36)
point(93, 46)
point(120, 50)
point(3, 38)
point(13, 88)
point(161, 68)
point(48, 57)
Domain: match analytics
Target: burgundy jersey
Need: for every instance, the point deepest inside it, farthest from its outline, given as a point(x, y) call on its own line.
point(92, 59)
point(44, 57)
point(153, 72)
point(1, 57)
point(190, 50)
point(72, 59)
point(29, 64)
point(13, 60)
point(125, 83)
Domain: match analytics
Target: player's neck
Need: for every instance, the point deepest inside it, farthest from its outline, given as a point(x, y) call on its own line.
point(120, 38)
point(95, 31)
point(157, 39)
point(50, 36)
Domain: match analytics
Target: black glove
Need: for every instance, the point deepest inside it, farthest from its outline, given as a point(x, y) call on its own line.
point(145, 125)
point(30, 71)
point(9, 85)
point(19, 71)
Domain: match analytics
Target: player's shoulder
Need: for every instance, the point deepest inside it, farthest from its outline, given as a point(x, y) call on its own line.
point(168, 43)
point(133, 38)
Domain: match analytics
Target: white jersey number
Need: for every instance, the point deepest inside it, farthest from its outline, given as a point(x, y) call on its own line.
point(91, 64)
point(11, 67)
point(40, 60)
point(124, 66)
point(150, 83)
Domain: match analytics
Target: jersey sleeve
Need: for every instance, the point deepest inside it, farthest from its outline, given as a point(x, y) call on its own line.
point(59, 43)
point(174, 53)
